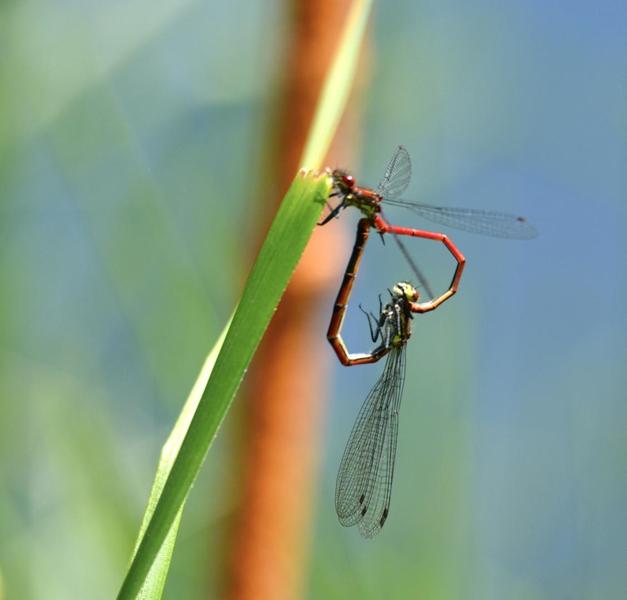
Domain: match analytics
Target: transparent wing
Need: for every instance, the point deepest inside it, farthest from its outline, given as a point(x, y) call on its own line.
point(364, 482)
point(397, 175)
point(421, 280)
point(487, 222)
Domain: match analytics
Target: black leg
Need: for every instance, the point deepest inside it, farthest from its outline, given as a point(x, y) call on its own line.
point(374, 332)
point(334, 212)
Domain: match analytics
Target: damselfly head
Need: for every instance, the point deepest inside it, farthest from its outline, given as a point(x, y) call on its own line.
point(406, 291)
point(342, 180)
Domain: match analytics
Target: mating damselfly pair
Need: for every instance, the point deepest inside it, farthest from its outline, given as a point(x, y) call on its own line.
point(364, 482)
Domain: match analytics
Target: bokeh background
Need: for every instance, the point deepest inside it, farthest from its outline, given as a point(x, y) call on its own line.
point(131, 139)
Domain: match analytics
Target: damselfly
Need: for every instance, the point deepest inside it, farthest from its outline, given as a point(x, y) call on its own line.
point(364, 482)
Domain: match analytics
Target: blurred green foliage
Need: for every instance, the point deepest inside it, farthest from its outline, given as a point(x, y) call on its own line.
point(119, 272)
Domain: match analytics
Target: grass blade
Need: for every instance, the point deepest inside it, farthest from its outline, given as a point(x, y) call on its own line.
point(277, 259)
point(155, 580)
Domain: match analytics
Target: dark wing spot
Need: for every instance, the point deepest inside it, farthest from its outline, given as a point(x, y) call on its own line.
point(384, 516)
point(521, 219)
point(361, 499)
point(364, 510)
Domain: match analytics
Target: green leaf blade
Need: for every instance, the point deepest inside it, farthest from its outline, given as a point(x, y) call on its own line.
point(273, 268)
